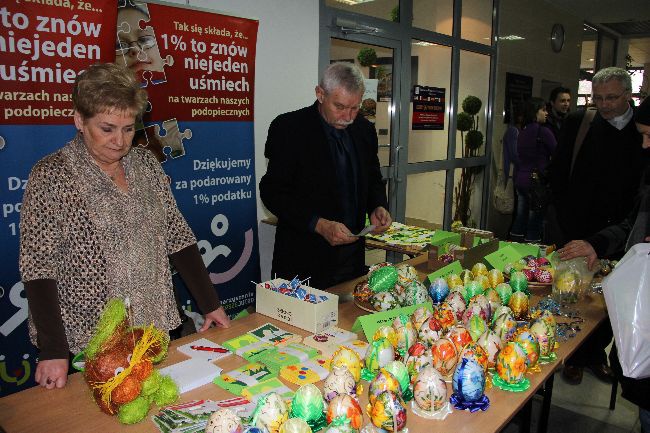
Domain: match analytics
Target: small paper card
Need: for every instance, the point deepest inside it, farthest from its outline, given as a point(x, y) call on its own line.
point(191, 373)
point(253, 393)
point(290, 354)
point(249, 375)
point(329, 340)
point(204, 349)
point(254, 351)
point(452, 268)
point(305, 372)
point(238, 342)
point(501, 257)
point(370, 322)
point(242, 407)
point(441, 237)
point(271, 333)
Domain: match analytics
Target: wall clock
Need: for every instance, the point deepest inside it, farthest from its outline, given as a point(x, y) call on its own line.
point(557, 37)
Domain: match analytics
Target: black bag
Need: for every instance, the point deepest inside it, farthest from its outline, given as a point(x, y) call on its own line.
point(539, 194)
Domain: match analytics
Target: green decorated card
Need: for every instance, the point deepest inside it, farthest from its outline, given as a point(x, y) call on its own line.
point(371, 322)
point(252, 393)
point(249, 375)
point(501, 257)
point(237, 343)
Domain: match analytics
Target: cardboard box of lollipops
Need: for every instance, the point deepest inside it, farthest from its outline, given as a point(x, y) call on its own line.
point(298, 305)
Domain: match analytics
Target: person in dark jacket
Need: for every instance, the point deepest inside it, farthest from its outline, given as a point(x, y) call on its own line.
point(558, 109)
point(632, 230)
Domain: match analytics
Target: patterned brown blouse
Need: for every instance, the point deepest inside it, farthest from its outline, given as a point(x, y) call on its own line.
point(98, 242)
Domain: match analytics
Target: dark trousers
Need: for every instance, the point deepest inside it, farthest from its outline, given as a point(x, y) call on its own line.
point(592, 351)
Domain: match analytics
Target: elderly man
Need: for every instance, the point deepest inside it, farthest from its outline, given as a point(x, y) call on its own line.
point(322, 179)
point(558, 109)
point(595, 181)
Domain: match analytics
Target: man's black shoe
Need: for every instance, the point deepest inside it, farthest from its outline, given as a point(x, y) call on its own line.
point(573, 375)
point(602, 372)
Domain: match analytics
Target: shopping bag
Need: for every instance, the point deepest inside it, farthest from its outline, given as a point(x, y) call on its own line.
point(504, 195)
point(627, 294)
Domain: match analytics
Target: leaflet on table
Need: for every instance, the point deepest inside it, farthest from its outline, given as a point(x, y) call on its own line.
point(249, 375)
point(191, 373)
point(204, 349)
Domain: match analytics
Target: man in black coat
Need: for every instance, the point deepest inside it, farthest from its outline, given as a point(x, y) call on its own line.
point(597, 188)
point(322, 179)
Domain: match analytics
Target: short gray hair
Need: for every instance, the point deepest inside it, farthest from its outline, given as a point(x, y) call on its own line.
point(613, 73)
point(343, 75)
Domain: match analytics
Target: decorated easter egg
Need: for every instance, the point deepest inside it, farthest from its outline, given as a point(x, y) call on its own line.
point(346, 407)
point(362, 291)
point(491, 344)
point(549, 318)
point(383, 279)
point(519, 282)
point(383, 381)
point(493, 299)
point(339, 381)
point(444, 356)
point(484, 281)
point(399, 370)
point(504, 291)
point(224, 421)
point(478, 306)
point(430, 390)
point(270, 412)
point(519, 304)
point(543, 276)
point(308, 404)
point(509, 268)
point(430, 331)
point(479, 269)
point(438, 290)
point(445, 315)
point(406, 334)
point(473, 288)
point(505, 326)
point(456, 301)
point(499, 311)
point(544, 335)
point(380, 353)
point(399, 292)
point(476, 352)
point(511, 363)
point(340, 425)
point(466, 276)
point(468, 381)
point(529, 343)
point(416, 293)
point(454, 280)
point(417, 357)
point(406, 273)
point(495, 277)
point(446, 258)
point(460, 336)
point(543, 262)
point(476, 326)
point(388, 412)
point(348, 358)
point(384, 301)
point(295, 425)
point(419, 316)
point(252, 429)
point(387, 332)
point(529, 273)
point(376, 266)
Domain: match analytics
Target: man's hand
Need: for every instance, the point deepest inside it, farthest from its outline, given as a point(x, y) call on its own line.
point(381, 219)
point(218, 317)
point(334, 233)
point(51, 373)
point(579, 249)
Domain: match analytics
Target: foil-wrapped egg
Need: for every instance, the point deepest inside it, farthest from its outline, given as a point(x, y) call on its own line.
point(504, 291)
point(295, 425)
point(479, 269)
point(454, 280)
point(520, 305)
point(438, 290)
point(495, 277)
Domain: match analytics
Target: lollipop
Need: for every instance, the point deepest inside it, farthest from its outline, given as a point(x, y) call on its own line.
point(347, 358)
point(346, 408)
point(270, 412)
point(430, 395)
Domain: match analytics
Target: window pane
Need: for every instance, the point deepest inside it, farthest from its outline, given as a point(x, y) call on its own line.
point(468, 195)
point(434, 70)
point(378, 98)
point(385, 9)
point(434, 15)
point(476, 21)
point(474, 81)
point(425, 197)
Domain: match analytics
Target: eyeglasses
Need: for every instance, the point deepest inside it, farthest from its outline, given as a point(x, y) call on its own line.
point(609, 98)
point(145, 42)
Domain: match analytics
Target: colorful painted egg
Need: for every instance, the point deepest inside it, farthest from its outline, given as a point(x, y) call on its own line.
point(339, 381)
point(460, 336)
point(505, 326)
point(476, 327)
point(383, 279)
point(346, 407)
point(295, 425)
point(430, 390)
point(406, 273)
point(543, 261)
point(376, 266)
point(419, 316)
point(466, 276)
point(543, 276)
point(453, 280)
point(472, 289)
point(416, 293)
point(476, 352)
point(456, 301)
point(504, 291)
point(348, 358)
point(430, 331)
point(495, 277)
point(224, 421)
point(529, 343)
point(499, 311)
point(384, 301)
point(362, 291)
point(479, 269)
point(511, 363)
point(493, 299)
point(509, 268)
point(387, 332)
point(529, 273)
point(270, 412)
point(406, 333)
point(478, 306)
point(340, 427)
point(399, 370)
point(379, 354)
point(484, 281)
point(491, 344)
point(388, 412)
point(383, 381)
point(438, 291)
point(399, 292)
point(444, 356)
point(519, 282)
point(307, 403)
point(468, 381)
point(549, 318)
point(519, 304)
point(417, 357)
point(251, 429)
point(445, 315)
point(544, 335)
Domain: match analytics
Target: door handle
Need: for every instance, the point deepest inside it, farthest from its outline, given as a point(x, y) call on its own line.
point(398, 178)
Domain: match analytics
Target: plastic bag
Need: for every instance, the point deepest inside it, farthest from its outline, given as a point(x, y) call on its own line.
point(627, 294)
point(572, 280)
point(504, 195)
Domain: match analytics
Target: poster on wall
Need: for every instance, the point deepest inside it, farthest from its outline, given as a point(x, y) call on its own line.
point(428, 108)
point(198, 70)
point(518, 89)
point(369, 100)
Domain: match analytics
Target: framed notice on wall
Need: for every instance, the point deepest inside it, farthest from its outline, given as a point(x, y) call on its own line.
point(428, 108)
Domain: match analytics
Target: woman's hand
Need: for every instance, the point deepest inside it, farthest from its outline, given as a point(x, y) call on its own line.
point(218, 317)
point(52, 373)
point(579, 249)
point(381, 219)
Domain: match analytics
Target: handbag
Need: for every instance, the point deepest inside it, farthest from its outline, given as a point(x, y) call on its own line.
point(504, 194)
point(539, 193)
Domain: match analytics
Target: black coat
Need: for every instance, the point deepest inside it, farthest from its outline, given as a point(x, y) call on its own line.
point(300, 184)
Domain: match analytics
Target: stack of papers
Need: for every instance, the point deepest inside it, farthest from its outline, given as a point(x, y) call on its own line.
point(193, 416)
point(192, 373)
